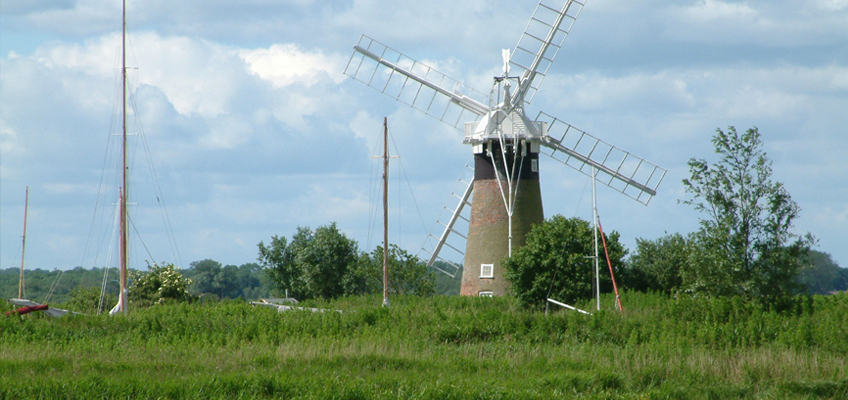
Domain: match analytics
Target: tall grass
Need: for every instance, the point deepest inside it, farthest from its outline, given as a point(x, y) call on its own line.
point(439, 347)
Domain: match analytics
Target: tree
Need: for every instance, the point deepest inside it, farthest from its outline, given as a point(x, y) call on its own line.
point(228, 283)
point(657, 265)
point(822, 275)
point(745, 245)
point(160, 284)
point(407, 275)
point(313, 264)
point(556, 259)
point(205, 276)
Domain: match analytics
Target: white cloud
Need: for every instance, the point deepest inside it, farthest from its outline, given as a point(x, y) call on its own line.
point(706, 11)
point(765, 23)
point(832, 5)
point(286, 64)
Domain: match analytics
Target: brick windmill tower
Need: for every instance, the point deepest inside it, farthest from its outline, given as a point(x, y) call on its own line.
point(504, 195)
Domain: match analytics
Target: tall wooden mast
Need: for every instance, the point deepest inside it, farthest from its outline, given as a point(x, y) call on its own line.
point(123, 206)
point(23, 246)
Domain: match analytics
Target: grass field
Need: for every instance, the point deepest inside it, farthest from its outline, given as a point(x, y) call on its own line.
point(435, 348)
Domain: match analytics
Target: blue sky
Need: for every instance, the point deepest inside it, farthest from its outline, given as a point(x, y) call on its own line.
point(254, 130)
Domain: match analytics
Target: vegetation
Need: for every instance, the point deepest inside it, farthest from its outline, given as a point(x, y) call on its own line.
point(314, 264)
point(745, 245)
point(436, 348)
point(556, 262)
point(822, 275)
point(325, 263)
point(407, 274)
point(89, 301)
point(446, 285)
point(159, 285)
point(211, 279)
point(658, 265)
point(38, 283)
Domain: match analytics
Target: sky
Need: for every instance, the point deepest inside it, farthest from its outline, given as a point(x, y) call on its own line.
point(252, 129)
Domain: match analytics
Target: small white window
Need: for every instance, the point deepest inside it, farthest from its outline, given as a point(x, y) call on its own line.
point(486, 293)
point(534, 165)
point(487, 270)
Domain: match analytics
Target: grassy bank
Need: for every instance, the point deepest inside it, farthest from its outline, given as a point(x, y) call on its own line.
point(440, 348)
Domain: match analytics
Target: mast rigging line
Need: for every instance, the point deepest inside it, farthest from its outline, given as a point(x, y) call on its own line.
point(375, 189)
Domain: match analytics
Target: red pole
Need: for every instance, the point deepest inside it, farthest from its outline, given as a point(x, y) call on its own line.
point(606, 252)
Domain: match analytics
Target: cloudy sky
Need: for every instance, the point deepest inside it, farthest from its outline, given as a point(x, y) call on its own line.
point(253, 129)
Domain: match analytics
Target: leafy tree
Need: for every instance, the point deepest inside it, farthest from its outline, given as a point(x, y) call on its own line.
point(822, 275)
point(204, 275)
point(744, 245)
point(407, 274)
point(314, 264)
point(160, 284)
point(248, 281)
point(248, 277)
point(228, 283)
point(556, 259)
point(657, 265)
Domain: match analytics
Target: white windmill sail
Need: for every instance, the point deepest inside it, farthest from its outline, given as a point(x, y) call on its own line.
point(414, 83)
point(446, 222)
point(540, 43)
point(631, 175)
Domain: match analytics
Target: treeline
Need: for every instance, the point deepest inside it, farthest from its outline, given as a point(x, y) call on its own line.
point(37, 282)
point(210, 280)
point(654, 266)
point(660, 265)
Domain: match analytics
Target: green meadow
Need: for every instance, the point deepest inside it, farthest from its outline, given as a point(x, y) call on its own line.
point(435, 348)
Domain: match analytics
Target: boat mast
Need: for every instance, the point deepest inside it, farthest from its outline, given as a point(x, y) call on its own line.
point(23, 246)
point(385, 212)
point(123, 200)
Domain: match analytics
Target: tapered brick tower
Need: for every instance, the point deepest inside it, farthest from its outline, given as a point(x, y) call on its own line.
point(506, 177)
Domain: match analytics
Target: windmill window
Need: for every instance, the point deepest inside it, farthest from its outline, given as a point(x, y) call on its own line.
point(534, 165)
point(487, 270)
point(486, 293)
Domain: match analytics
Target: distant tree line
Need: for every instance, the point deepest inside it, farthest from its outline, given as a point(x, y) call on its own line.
point(39, 281)
point(211, 279)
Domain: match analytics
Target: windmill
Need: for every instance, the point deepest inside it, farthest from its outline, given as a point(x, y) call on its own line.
point(506, 143)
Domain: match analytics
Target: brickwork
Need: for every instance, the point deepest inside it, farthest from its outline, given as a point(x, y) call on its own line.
point(488, 232)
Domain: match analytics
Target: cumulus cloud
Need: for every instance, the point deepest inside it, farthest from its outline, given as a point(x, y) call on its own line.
point(766, 23)
point(286, 64)
point(33, 6)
